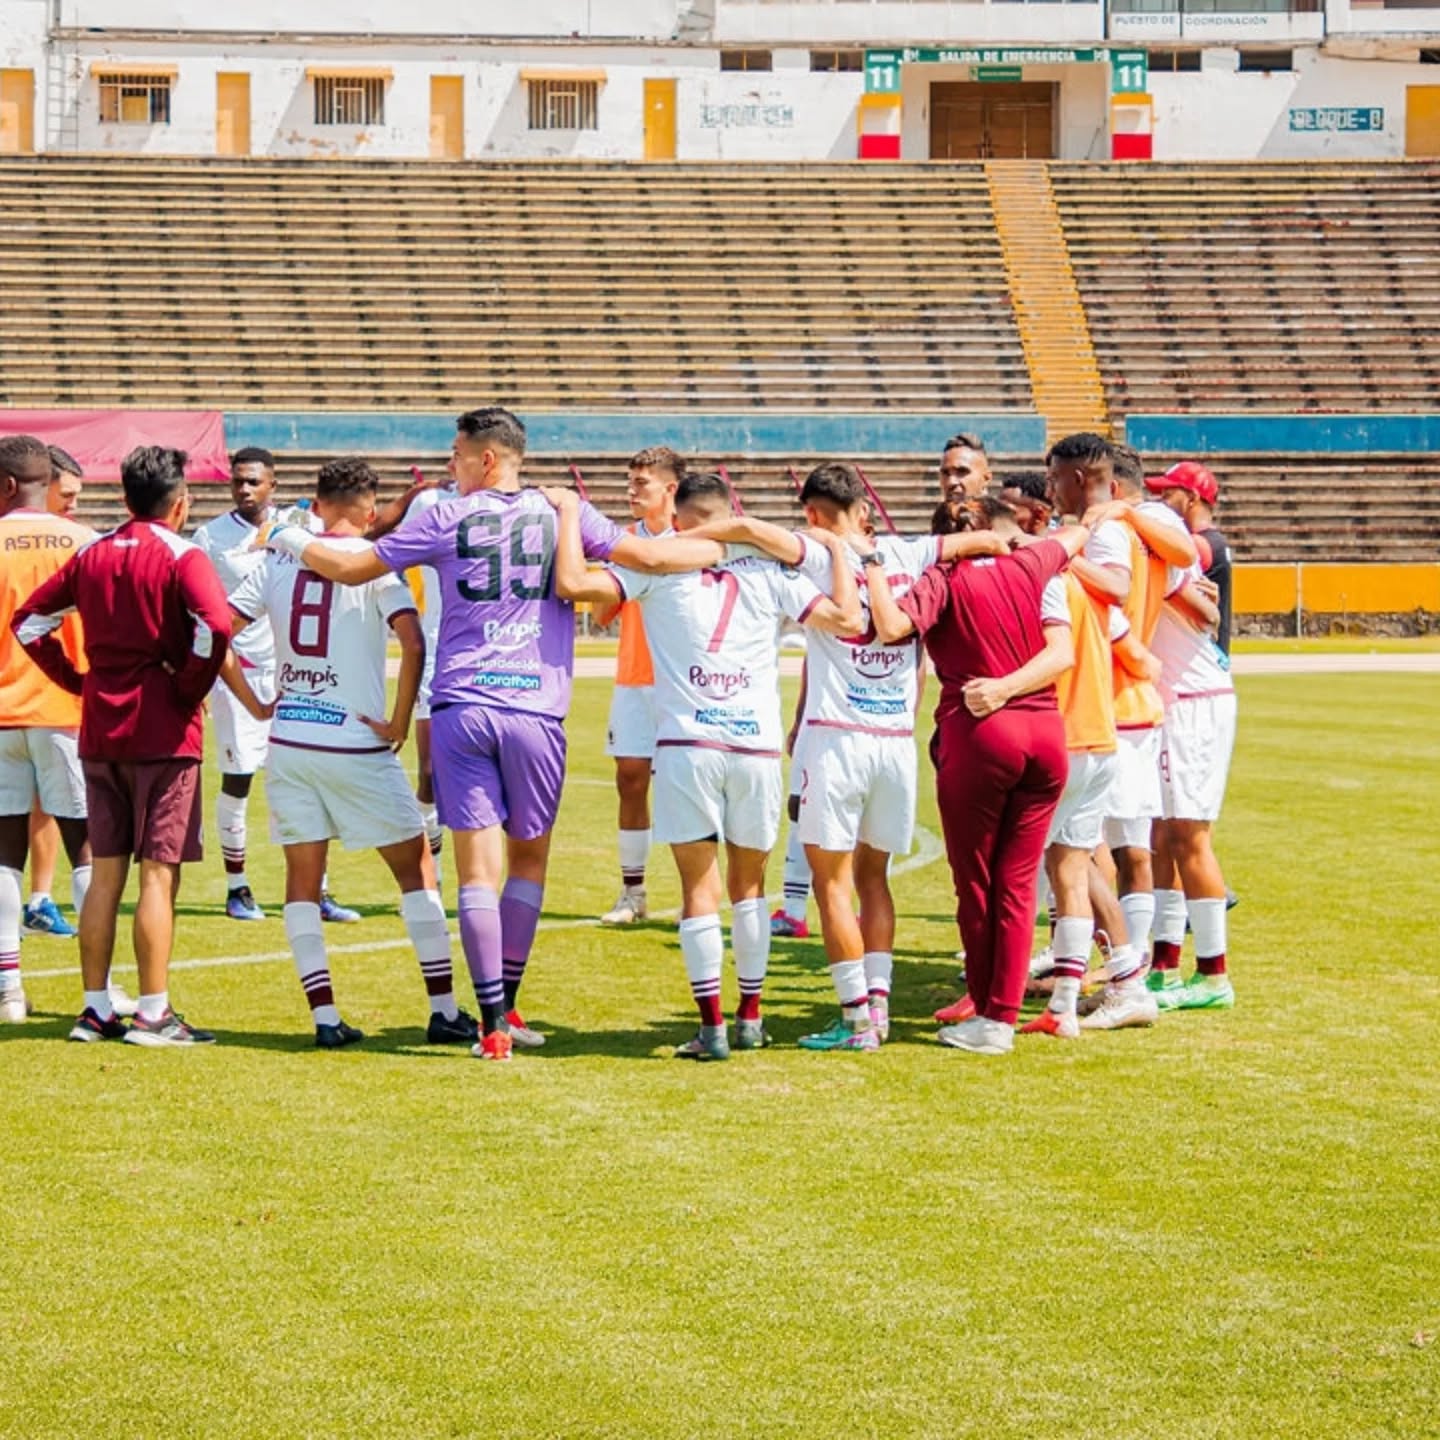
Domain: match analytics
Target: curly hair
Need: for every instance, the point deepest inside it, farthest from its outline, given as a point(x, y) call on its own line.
point(347, 478)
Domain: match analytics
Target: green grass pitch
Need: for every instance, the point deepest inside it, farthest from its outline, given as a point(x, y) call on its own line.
point(1225, 1226)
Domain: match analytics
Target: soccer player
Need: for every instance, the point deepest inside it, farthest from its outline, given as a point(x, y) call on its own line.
point(999, 749)
point(1215, 563)
point(1081, 470)
point(42, 914)
point(333, 772)
point(234, 543)
point(1161, 551)
point(502, 687)
point(1199, 736)
point(1027, 492)
point(712, 634)
point(38, 720)
point(855, 753)
point(156, 632)
point(653, 477)
point(964, 468)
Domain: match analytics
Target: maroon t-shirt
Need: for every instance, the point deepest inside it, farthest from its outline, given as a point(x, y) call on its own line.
point(981, 620)
point(157, 626)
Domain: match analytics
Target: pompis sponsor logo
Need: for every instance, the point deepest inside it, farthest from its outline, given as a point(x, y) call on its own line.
point(879, 662)
point(512, 634)
point(719, 682)
point(307, 677)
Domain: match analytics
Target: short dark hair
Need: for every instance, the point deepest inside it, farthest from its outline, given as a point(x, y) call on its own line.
point(1032, 484)
point(1127, 465)
point(494, 423)
point(25, 459)
point(963, 441)
point(347, 478)
point(1083, 448)
point(253, 455)
point(834, 481)
point(706, 485)
point(62, 462)
point(659, 457)
point(152, 475)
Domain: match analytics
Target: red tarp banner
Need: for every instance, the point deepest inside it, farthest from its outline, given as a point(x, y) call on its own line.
point(101, 439)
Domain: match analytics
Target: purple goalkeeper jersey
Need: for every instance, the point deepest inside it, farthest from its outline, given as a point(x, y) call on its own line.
point(506, 639)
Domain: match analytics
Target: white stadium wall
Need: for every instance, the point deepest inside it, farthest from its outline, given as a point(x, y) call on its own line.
point(886, 22)
point(630, 19)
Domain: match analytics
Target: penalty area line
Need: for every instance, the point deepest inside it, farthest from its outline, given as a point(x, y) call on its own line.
point(928, 850)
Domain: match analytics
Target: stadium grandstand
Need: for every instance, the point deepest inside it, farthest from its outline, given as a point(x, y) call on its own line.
point(308, 221)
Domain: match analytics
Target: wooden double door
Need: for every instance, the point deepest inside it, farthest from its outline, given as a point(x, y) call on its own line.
point(979, 120)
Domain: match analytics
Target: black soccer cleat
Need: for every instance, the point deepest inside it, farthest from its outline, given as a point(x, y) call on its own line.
point(337, 1037)
point(462, 1030)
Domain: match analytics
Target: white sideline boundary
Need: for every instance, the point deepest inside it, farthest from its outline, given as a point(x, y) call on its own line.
point(928, 850)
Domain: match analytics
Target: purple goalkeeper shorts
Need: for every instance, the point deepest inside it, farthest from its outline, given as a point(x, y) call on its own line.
point(497, 767)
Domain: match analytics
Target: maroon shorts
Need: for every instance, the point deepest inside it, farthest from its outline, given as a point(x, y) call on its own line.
point(150, 809)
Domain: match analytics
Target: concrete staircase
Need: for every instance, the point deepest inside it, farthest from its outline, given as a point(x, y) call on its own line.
point(1064, 375)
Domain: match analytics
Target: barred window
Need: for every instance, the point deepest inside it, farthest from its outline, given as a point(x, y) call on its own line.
point(836, 60)
point(746, 60)
point(135, 100)
point(349, 100)
point(564, 104)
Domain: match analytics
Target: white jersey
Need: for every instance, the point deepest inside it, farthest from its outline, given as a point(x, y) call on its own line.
point(712, 637)
point(330, 643)
point(1191, 663)
point(862, 684)
point(229, 541)
point(430, 581)
point(1157, 510)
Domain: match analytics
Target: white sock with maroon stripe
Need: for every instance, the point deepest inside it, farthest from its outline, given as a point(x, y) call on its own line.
point(304, 931)
point(796, 893)
point(11, 905)
point(424, 917)
point(1073, 937)
point(230, 822)
point(634, 848)
point(703, 946)
point(750, 940)
point(879, 969)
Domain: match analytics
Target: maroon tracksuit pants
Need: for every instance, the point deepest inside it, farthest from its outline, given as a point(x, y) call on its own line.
point(998, 781)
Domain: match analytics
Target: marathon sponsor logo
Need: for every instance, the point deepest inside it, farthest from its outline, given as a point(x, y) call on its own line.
point(504, 680)
point(733, 722)
point(512, 634)
point(309, 712)
point(719, 682)
point(39, 542)
point(307, 677)
point(877, 702)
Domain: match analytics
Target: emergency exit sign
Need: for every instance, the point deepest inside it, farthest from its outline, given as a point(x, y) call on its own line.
point(999, 73)
point(1129, 72)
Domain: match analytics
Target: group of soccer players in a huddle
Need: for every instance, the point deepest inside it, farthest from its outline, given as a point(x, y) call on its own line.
point(1086, 716)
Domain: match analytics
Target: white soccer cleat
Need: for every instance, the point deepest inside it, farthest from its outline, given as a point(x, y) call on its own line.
point(629, 908)
point(980, 1036)
point(14, 1007)
point(520, 1033)
point(1121, 1006)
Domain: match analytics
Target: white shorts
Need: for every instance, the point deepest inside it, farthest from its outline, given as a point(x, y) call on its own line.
point(41, 760)
point(363, 800)
point(632, 723)
point(1080, 816)
point(1135, 793)
point(427, 678)
point(1195, 756)
point(855, 788)
point(699, 793)
point(240, 739)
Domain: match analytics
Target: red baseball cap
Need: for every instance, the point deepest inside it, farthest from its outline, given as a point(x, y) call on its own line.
point(1188, 475)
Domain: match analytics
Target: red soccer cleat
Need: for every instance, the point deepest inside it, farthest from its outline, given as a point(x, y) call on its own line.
point(963, 1009)
point(1064, 1026)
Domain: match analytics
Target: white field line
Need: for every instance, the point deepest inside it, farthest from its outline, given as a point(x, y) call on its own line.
point(928, 849)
